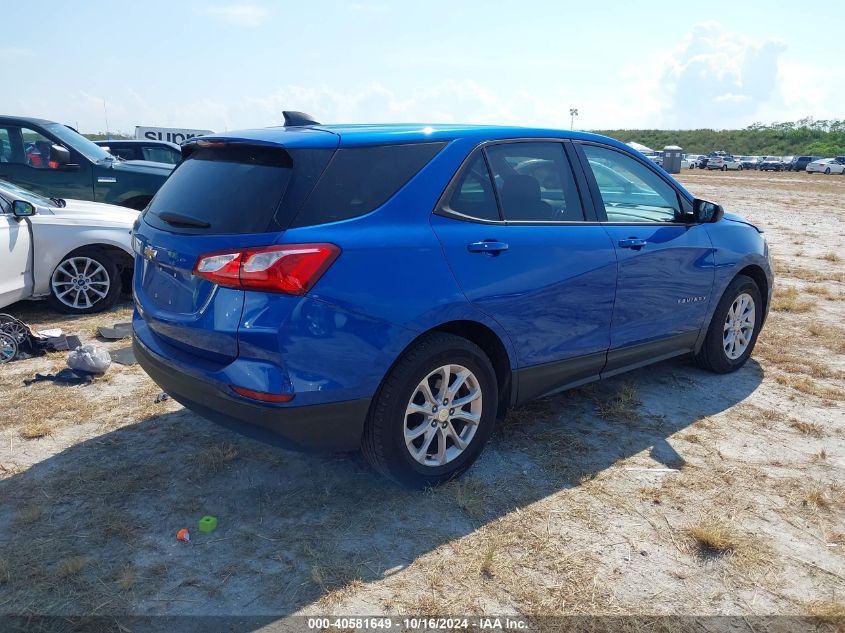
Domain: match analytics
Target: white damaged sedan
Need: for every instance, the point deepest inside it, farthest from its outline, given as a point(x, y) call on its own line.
point(74, 253)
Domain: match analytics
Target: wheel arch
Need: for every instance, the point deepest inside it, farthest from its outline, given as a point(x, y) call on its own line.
point(759, 276)
point(118, 252)
point(490, 343)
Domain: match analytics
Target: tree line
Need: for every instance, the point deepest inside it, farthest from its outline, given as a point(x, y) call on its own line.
point(804, 137)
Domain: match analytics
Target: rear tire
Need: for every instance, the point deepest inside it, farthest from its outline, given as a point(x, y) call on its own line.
point(408, 436)
point(722, 353)
point(99, 288)
point(827, 171)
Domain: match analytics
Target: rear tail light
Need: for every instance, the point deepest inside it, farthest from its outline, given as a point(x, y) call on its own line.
point(288, 268)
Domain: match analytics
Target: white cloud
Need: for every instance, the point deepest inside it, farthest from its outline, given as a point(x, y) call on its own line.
point(249, 15)
point(719, 76)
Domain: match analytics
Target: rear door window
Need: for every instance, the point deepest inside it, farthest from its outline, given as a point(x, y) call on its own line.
point(361, 179)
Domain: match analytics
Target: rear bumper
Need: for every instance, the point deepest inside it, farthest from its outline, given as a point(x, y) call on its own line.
point(332, 426)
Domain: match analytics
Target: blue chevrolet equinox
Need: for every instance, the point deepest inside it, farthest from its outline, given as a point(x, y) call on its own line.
point(398, 287)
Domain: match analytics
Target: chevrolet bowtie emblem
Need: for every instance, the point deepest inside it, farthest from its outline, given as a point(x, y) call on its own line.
point(150, 252)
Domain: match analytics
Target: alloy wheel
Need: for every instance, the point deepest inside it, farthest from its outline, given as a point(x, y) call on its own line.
point(443, 415)
point(80, 282)
point(739, 326)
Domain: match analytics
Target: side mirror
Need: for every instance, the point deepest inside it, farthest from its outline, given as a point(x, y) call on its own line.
point(61, 157)
point(704, 211)
point(59, 154)
point(23, 209)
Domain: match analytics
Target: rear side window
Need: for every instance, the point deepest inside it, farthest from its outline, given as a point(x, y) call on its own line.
point(361, 179)
point(231, 189)
point(473, 196)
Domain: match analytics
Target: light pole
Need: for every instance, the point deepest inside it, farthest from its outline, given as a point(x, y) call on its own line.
point(573, 112)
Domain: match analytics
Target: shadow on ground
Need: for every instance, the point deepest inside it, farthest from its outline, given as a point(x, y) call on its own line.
point(91, 530)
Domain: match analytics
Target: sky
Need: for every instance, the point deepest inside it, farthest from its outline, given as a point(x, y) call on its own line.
point(222, 65)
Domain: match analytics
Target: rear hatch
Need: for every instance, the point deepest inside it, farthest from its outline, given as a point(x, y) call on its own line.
point(227, 193)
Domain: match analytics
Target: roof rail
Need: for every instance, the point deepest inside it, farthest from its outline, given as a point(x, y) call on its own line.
point(298, 119)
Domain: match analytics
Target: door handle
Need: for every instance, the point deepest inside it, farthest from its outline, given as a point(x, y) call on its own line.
point(491, 247)
point(632, 242)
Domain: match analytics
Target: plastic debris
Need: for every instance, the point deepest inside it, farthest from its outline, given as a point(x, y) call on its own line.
point(208, 524)
point(52, 332)
point(123, 356)
point(183, 535)
point(115, 332)
point(90, 358)
point(66, 376)
point(162, 397)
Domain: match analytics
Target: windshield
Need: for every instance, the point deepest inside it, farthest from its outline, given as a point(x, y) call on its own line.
point(18, 193)
point(87, 148)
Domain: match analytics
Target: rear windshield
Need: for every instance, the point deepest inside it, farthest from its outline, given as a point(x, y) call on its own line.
point(239, 188)
point(361, 179)
point(227, 189)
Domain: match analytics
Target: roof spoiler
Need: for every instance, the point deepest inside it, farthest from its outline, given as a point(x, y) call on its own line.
point(298, 119)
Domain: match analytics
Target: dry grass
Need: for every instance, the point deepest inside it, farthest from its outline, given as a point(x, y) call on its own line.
point(821, 291)
point(713, 538)
point(831, 337)
point(621, 406)
point(71, 567)
point(817, 498)
point(468, 494)
point(785, 268)
point(27, 516)
point(805, 385)
point(807, 428)
point(213, 459)
point(827, 612)
point(789, 299)
point(830, 257)
point(34, 430)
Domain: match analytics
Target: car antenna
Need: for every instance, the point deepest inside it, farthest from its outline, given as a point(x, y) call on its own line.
point(298, 119)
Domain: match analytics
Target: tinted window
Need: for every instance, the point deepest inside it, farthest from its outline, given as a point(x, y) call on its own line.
point(534, 182)
point(161, 155)
point(126, 153)
point(235, 189)
point(630, 191)
point(473, 195)
point(5, 146)
point(361, 179)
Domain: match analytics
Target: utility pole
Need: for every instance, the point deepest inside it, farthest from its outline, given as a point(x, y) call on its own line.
point(106, 114)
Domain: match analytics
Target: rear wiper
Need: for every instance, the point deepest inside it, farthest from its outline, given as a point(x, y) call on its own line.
point(59, 202)
point(176, 219)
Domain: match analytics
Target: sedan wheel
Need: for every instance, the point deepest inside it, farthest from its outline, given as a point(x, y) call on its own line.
point(85, 281)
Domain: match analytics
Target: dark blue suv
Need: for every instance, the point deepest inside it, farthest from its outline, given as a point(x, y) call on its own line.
point(398, 287)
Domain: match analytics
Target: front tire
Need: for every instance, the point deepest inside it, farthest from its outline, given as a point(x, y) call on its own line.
point(85, 281)
point(415, 435)
point(734, 328)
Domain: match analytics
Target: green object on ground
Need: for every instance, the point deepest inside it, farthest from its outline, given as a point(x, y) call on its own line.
point(208, 524)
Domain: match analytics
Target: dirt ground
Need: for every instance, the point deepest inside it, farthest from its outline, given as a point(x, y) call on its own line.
point(666, 491)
